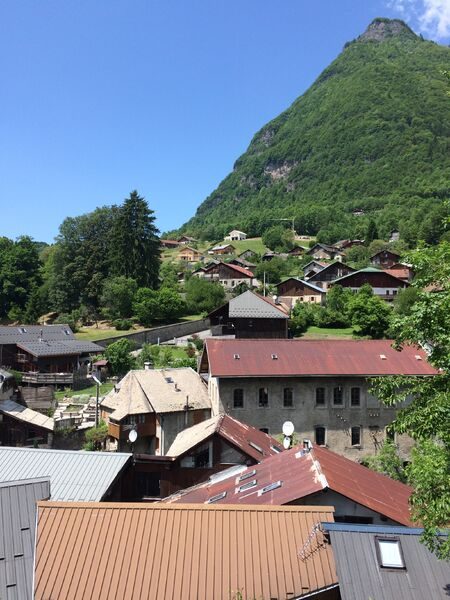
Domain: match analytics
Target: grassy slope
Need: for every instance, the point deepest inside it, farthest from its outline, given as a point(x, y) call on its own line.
point(327, 333)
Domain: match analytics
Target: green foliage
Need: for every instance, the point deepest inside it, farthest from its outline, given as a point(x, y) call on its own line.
point(122, 324)
point(276, 269)
point(372, 232)
point(96, 437)
point(370, 315)
point(426, 418)
point(358, 257)
point(117, 297)
point(203, 296)
point(404, 301)
point(152, 306)
point(303, 315)
point(119, 357)
point(161, 357)
point(372, 132)
point(278, 238)
point(387, 461)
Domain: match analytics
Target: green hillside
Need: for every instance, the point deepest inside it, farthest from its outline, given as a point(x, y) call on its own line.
point(372, 132)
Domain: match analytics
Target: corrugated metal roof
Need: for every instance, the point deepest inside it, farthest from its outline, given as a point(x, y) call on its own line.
point(248, 439)
point(303, 358)
point(253, 306)
point(151, 552)
point(74, 475)
point(361, 576)
point(59, 348)
point(369, 271)
point(157, 390)
point(17, 534)
point(11, 334)
point(303, 282)
point(27, 415)
point(301, 474)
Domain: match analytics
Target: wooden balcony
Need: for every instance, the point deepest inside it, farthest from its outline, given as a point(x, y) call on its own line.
point(120, 431)
point(48, 378)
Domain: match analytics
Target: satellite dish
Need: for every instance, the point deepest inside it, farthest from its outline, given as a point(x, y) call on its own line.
point(287, 442)
point(132, 436)
point(288, 428)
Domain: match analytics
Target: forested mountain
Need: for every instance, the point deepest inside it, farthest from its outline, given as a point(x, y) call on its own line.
point(372, 133)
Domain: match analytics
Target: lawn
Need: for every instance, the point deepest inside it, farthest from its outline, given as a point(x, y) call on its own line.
point(89, 334)
point(91, 391)
point(323, 333)
point(254, 244)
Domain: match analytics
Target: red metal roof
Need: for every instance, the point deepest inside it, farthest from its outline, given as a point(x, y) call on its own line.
point(399, 273)
point(303, 358)
point(302, 474)
point(240, 269)
point(250, 440)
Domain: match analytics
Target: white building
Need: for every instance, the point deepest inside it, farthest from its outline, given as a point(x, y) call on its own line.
point(236, 235)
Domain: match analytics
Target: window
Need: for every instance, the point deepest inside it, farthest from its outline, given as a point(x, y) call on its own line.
point(238, 398)
point(263, 400)
point(320, 396)
point(338, 396)
point(356, 436)
point(320, 436)
point(288, 397)
point(355, 396)
point(390, 553)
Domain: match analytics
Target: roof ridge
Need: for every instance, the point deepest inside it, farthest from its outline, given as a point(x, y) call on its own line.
point(303, 508)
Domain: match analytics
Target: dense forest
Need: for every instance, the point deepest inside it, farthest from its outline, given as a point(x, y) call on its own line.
point(372, 133)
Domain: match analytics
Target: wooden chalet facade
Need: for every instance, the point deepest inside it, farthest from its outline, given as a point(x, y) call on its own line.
point(223, 249)
point(384, 285)
point(325, 252)
point(228, 275)
point(330, 273)
point(190, 255)
point(250, 316)
point(385, 259)
point(295, 290)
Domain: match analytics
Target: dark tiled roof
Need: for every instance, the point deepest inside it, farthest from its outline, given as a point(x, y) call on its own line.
point(60, 348)
point(253, 306)
point(32, 333)
point(17, 534)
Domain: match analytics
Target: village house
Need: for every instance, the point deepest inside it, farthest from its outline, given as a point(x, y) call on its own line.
point(199, 552)
point(190, 255)
point(242, 262)
point(248, 254)
point(311, 475)
point(320, 385)
point(156, 404)
point(385, 259)
point(200, 452)
point(22, 426)
point(169, 243)
point(296, 251)
point(314, 266)
point(228, 275)
point(293, 290)
point(222, 249)
point(186, 239)
point(325, 252)
point(401, 271)
point(386, 563)
point(236, 235)
point(395, 236)
point(384, 285)
point(250, 315)
point(347, 244)
point(330, 273)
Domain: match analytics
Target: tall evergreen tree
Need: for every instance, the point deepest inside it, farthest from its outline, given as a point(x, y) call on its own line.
point(135, 244)
point(372, 232)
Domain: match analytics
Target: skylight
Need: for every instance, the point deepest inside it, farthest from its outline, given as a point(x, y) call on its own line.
point(270, 487)
point(236, 356)
point(216, 498)
point(276, 449)
point(246, 475)
point(390, 553)
point(246, 486)
point(256, 447)
point(22, 330)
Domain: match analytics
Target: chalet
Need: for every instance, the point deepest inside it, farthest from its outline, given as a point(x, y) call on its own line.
point(293, 290)
point(160, 551)
point(45, 354)
point(385, 259)
point(248, 254)
point(22, 426)
point(401, 271)
point(384, 285)
point(250, 315)
point(242, 262)
point(236, 235)
point(325, 252)
point(330, 273)
point(347, 244)
point(314, 476)
point(169, 244)
point(223, 249)
point(386, 562)
point(190, 255)
point(320, 385)
point(186, 239)
point(358, 212)
point(269, 255)
point(296, 251)
point(314, 266)
point(228, 275)
point(157, 405)
point(395, 236)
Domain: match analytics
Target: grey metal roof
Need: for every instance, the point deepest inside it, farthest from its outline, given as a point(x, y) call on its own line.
point(25, 414)
point(74, 475)
point(359, 573)
point(305, 283)
point(32, 333)
point(250, 305)
point(59, 348)
point(17, 534)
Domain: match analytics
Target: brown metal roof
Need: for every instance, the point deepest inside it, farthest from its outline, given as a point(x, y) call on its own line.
point(247, 439)
point(301, 474)
point(303, 358)
point(147, 551)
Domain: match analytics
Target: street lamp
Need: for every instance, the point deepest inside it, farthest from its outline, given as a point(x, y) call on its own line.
point(98, 384)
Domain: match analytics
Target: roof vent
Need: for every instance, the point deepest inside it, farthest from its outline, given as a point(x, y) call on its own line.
point(256, 447)
point(246, 486)
point(418, 357)
point(22, 330)
point(274, 356)
point(236, 356)
point(383, 356)
point(216, 498)
point(270, 487)
point(246, 476)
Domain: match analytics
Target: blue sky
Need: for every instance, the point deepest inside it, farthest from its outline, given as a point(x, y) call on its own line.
point(100, 97)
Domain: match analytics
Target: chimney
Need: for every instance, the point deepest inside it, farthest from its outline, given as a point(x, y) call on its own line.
point(307, 445)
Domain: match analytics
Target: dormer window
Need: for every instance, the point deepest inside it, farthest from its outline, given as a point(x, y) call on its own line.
point(22, 330)
point(389, 552)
